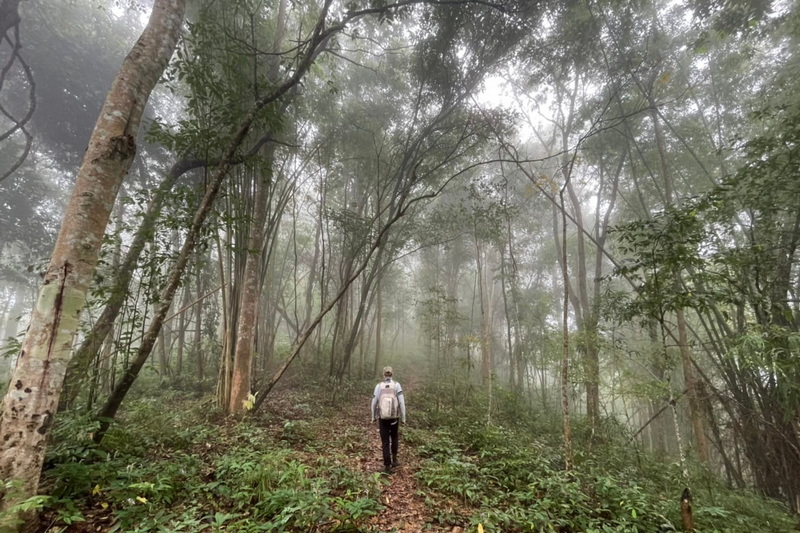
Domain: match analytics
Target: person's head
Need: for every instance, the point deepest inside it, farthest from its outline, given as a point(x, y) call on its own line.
point(387, 371)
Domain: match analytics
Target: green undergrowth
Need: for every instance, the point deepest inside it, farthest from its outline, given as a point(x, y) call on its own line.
point(514, 479)
point(181, 466)
point(176, 464)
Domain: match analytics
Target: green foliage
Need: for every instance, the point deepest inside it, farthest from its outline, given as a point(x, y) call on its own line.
point(167, 466)
point(213, 68)
point(730, 256)
point(297, 431)
point(10, 516)
point(285, 494)
point(513, 485)
point(659, 250)
point(733, 16)
point(9, 347)
point(513, 480)
point(174, 467)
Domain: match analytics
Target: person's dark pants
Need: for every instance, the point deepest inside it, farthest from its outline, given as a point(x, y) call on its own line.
point(389, 432)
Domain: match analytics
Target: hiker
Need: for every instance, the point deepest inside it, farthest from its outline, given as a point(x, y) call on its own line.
point(389, 408)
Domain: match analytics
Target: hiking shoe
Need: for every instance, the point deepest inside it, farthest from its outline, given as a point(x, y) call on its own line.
point(387, 470)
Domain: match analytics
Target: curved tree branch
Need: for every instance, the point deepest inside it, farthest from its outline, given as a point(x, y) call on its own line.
point(18, 125)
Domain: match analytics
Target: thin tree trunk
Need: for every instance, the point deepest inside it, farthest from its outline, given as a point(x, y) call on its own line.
point(198, 324)
point(509, 340)
point(698, 424)
point(565, 353)
point(182, 332)
point(378, 320)
point(586, 321)
point(163, 355)
point(312, 273)
point(486, 353)
point(104, 366)
point(223, 387)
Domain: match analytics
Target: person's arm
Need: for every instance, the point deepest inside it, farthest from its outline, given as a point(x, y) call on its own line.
point(401, 399)
point(374, 402)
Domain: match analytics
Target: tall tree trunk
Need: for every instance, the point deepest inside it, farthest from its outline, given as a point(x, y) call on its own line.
point(587, 321)
point(659, 427)
point(230, 294)
point(32, 399)
point(182, 332)
point(251, 284)
point(197, 343)
point(163, 355)
point(248, 307)
point(376, 369)
point(312, 272)
point(565, 410)
point(509, 338)
point(486, 348)
point(104, 367)
point(582, 306)
point(452, 270)
point(698, 423)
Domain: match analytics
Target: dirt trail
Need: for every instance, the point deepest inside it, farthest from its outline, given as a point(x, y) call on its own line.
point(402, 496)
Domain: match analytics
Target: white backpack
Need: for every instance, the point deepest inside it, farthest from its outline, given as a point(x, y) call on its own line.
point(388, 405)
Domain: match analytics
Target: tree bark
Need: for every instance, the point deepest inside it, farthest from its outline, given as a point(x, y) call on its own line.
point(31, 402)
point(486, 348)
point(198, 324)
point(687, 520)
point(378, 322)
point(246, 327)
point(182, 331)
point(565, 410)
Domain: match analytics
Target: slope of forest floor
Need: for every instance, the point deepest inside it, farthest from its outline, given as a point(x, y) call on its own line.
point(303, 464)
point(310, 462)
